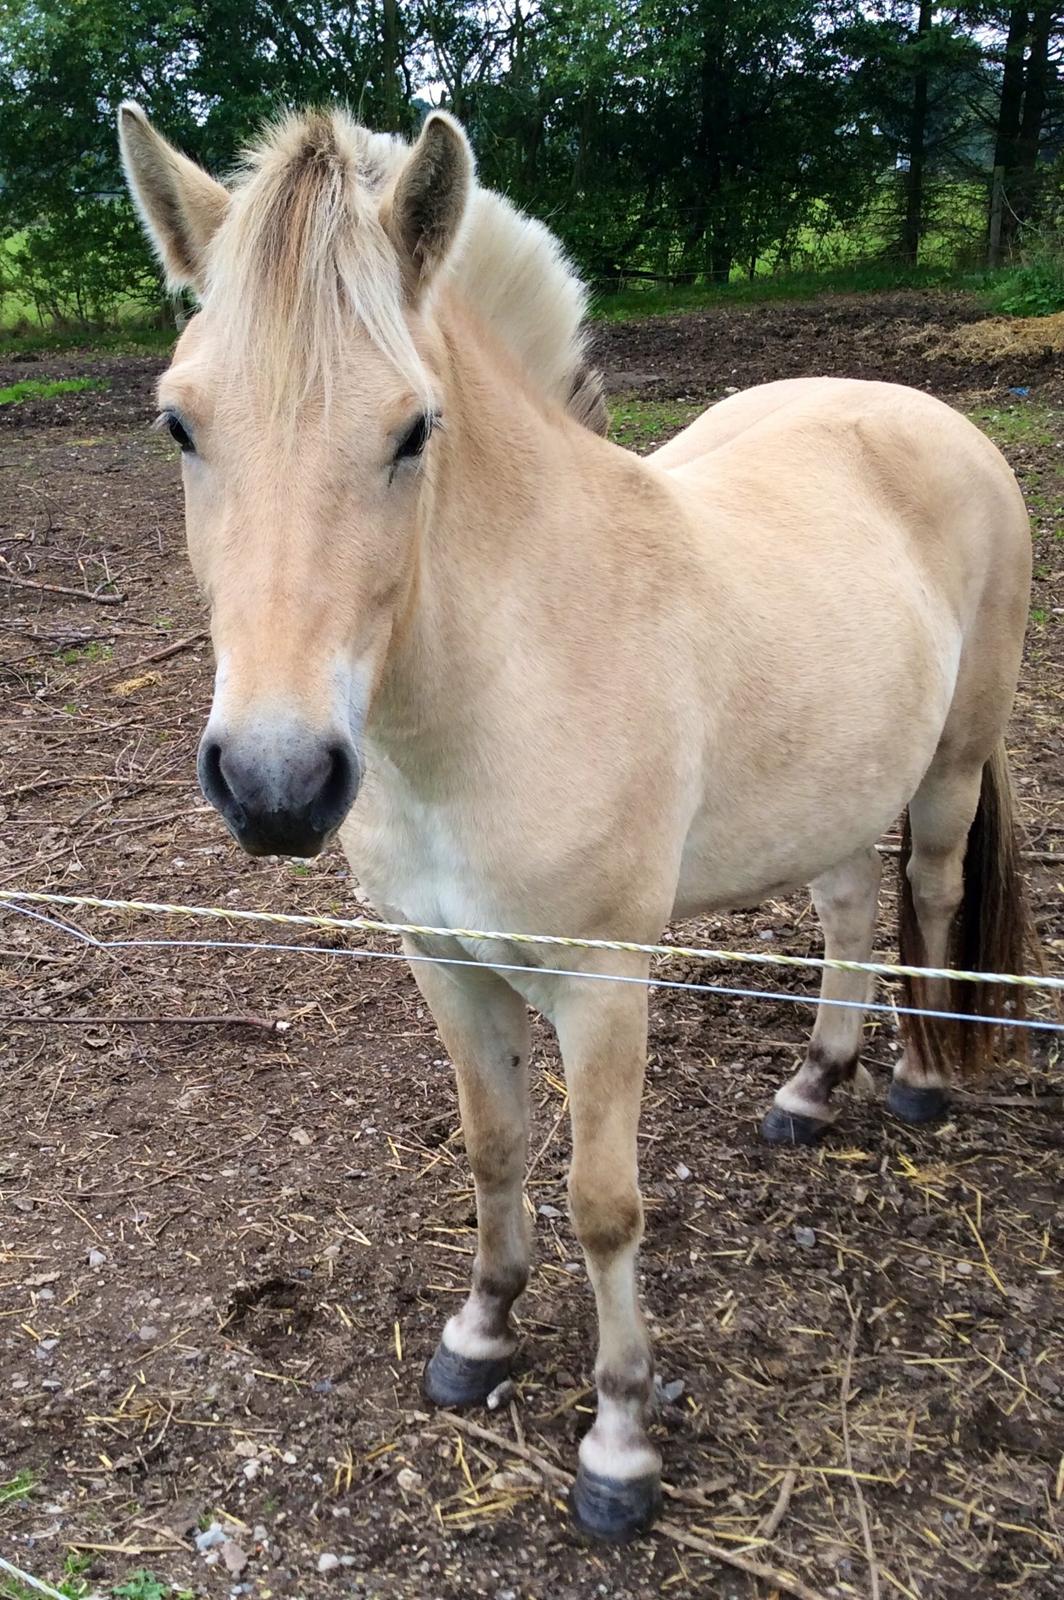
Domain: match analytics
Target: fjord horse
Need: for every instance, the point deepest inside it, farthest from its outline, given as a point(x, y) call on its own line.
point(536, 683)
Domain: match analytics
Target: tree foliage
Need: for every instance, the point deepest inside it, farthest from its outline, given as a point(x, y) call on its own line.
point(678, 139)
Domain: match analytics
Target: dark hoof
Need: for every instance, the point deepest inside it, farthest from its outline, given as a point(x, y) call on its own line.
point(917, 1105)
point(454, 1380)
point(784, 1127)
point(614, 1509)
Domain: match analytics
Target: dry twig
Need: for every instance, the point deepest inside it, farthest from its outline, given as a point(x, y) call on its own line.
point(62, 588)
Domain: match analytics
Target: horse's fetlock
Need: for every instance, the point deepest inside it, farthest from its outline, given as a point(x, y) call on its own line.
point(629, 1382)
point(501, 1284)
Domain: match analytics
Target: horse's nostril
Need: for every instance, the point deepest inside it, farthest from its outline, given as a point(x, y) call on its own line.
point(216, 786)
point(212, 778)
point(338, 789)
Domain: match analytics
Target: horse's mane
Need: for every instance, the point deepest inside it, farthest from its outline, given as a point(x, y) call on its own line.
point(302, 248)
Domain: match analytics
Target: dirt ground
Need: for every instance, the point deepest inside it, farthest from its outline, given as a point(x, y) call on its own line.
point(234, 1208)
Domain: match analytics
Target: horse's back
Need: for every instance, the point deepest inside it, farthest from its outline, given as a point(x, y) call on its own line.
point(827, 462)
point(734, 415)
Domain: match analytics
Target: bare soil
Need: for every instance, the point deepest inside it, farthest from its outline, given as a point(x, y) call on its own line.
point(234, 1207)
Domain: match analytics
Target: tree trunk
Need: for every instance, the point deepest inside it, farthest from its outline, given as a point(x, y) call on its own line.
point(391, 108)
point(1010, 111)
point(913, 224)
point(707, 224)
point(1035, 93)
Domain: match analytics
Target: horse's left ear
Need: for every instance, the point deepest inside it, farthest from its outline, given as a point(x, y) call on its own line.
point(424, 211)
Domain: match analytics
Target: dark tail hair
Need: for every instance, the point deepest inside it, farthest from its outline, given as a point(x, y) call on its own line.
point(992, 932)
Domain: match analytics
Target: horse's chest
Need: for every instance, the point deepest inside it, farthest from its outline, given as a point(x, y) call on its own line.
point(416, 865)
point(415, 861)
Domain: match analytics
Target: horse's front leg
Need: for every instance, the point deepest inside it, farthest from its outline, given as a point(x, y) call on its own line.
point(484, 1026)
point(602, 1029)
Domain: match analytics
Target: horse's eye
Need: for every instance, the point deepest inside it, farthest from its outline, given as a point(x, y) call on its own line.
point(415, 439)
point(177, 430)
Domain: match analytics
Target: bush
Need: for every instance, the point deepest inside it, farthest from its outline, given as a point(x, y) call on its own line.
point(1035, 288)
point(86, 267)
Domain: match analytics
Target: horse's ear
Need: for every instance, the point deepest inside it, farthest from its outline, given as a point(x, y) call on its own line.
point(180, 205)
point(424, 211)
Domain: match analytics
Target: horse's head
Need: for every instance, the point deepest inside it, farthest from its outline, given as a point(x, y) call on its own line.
point(304, 396)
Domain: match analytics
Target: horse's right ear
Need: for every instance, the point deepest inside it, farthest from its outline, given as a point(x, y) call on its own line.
point(180, 205)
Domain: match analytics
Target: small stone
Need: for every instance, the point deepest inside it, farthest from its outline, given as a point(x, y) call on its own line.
point(328, 1562)
point(408, 1480)
point(246, 1448)
point(209, 1539)
point(234, 1558)
point(300, 1136)
point(549, 1211)
point(672, 1390)
point(515, 1478)
point(502, 1394)
point(146, 1333)
point(682, 1172)
point(804, 1238)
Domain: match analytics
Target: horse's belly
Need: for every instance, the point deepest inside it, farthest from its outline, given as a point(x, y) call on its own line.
point(747, 844)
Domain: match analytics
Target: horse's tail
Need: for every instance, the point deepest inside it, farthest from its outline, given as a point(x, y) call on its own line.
point(992, 932)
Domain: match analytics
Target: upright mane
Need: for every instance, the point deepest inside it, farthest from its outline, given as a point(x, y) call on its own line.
point(303, 248)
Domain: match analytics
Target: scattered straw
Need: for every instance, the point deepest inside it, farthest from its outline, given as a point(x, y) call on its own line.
point(785, 1582)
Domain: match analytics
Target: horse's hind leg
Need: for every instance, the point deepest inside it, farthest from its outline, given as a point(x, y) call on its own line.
point(940, 817)
point(846, 899)
point(484, 1025)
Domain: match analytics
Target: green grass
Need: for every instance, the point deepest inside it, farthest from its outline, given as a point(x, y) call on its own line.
point(861, 278)
point(17, 1488)
point(34, 389)
point(127, 340)
point(73, 1585)
point(1027, 422)
point(140, 1585)
point(642, 424)
point(95, 650)
point(144, 1585)
point(1035, 289)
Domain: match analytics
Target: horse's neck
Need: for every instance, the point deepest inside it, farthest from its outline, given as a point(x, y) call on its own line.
point(518, 515)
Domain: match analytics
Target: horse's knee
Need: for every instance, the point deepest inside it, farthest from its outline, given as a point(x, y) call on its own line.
point(606, 1219)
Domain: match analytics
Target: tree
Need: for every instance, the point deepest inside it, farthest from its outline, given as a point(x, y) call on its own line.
point(1026, 68)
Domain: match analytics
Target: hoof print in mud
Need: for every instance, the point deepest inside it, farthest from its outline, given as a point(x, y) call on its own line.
point(786, 1127)
point(917, 1105)
point(614, 1509)
point(455, 1381)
